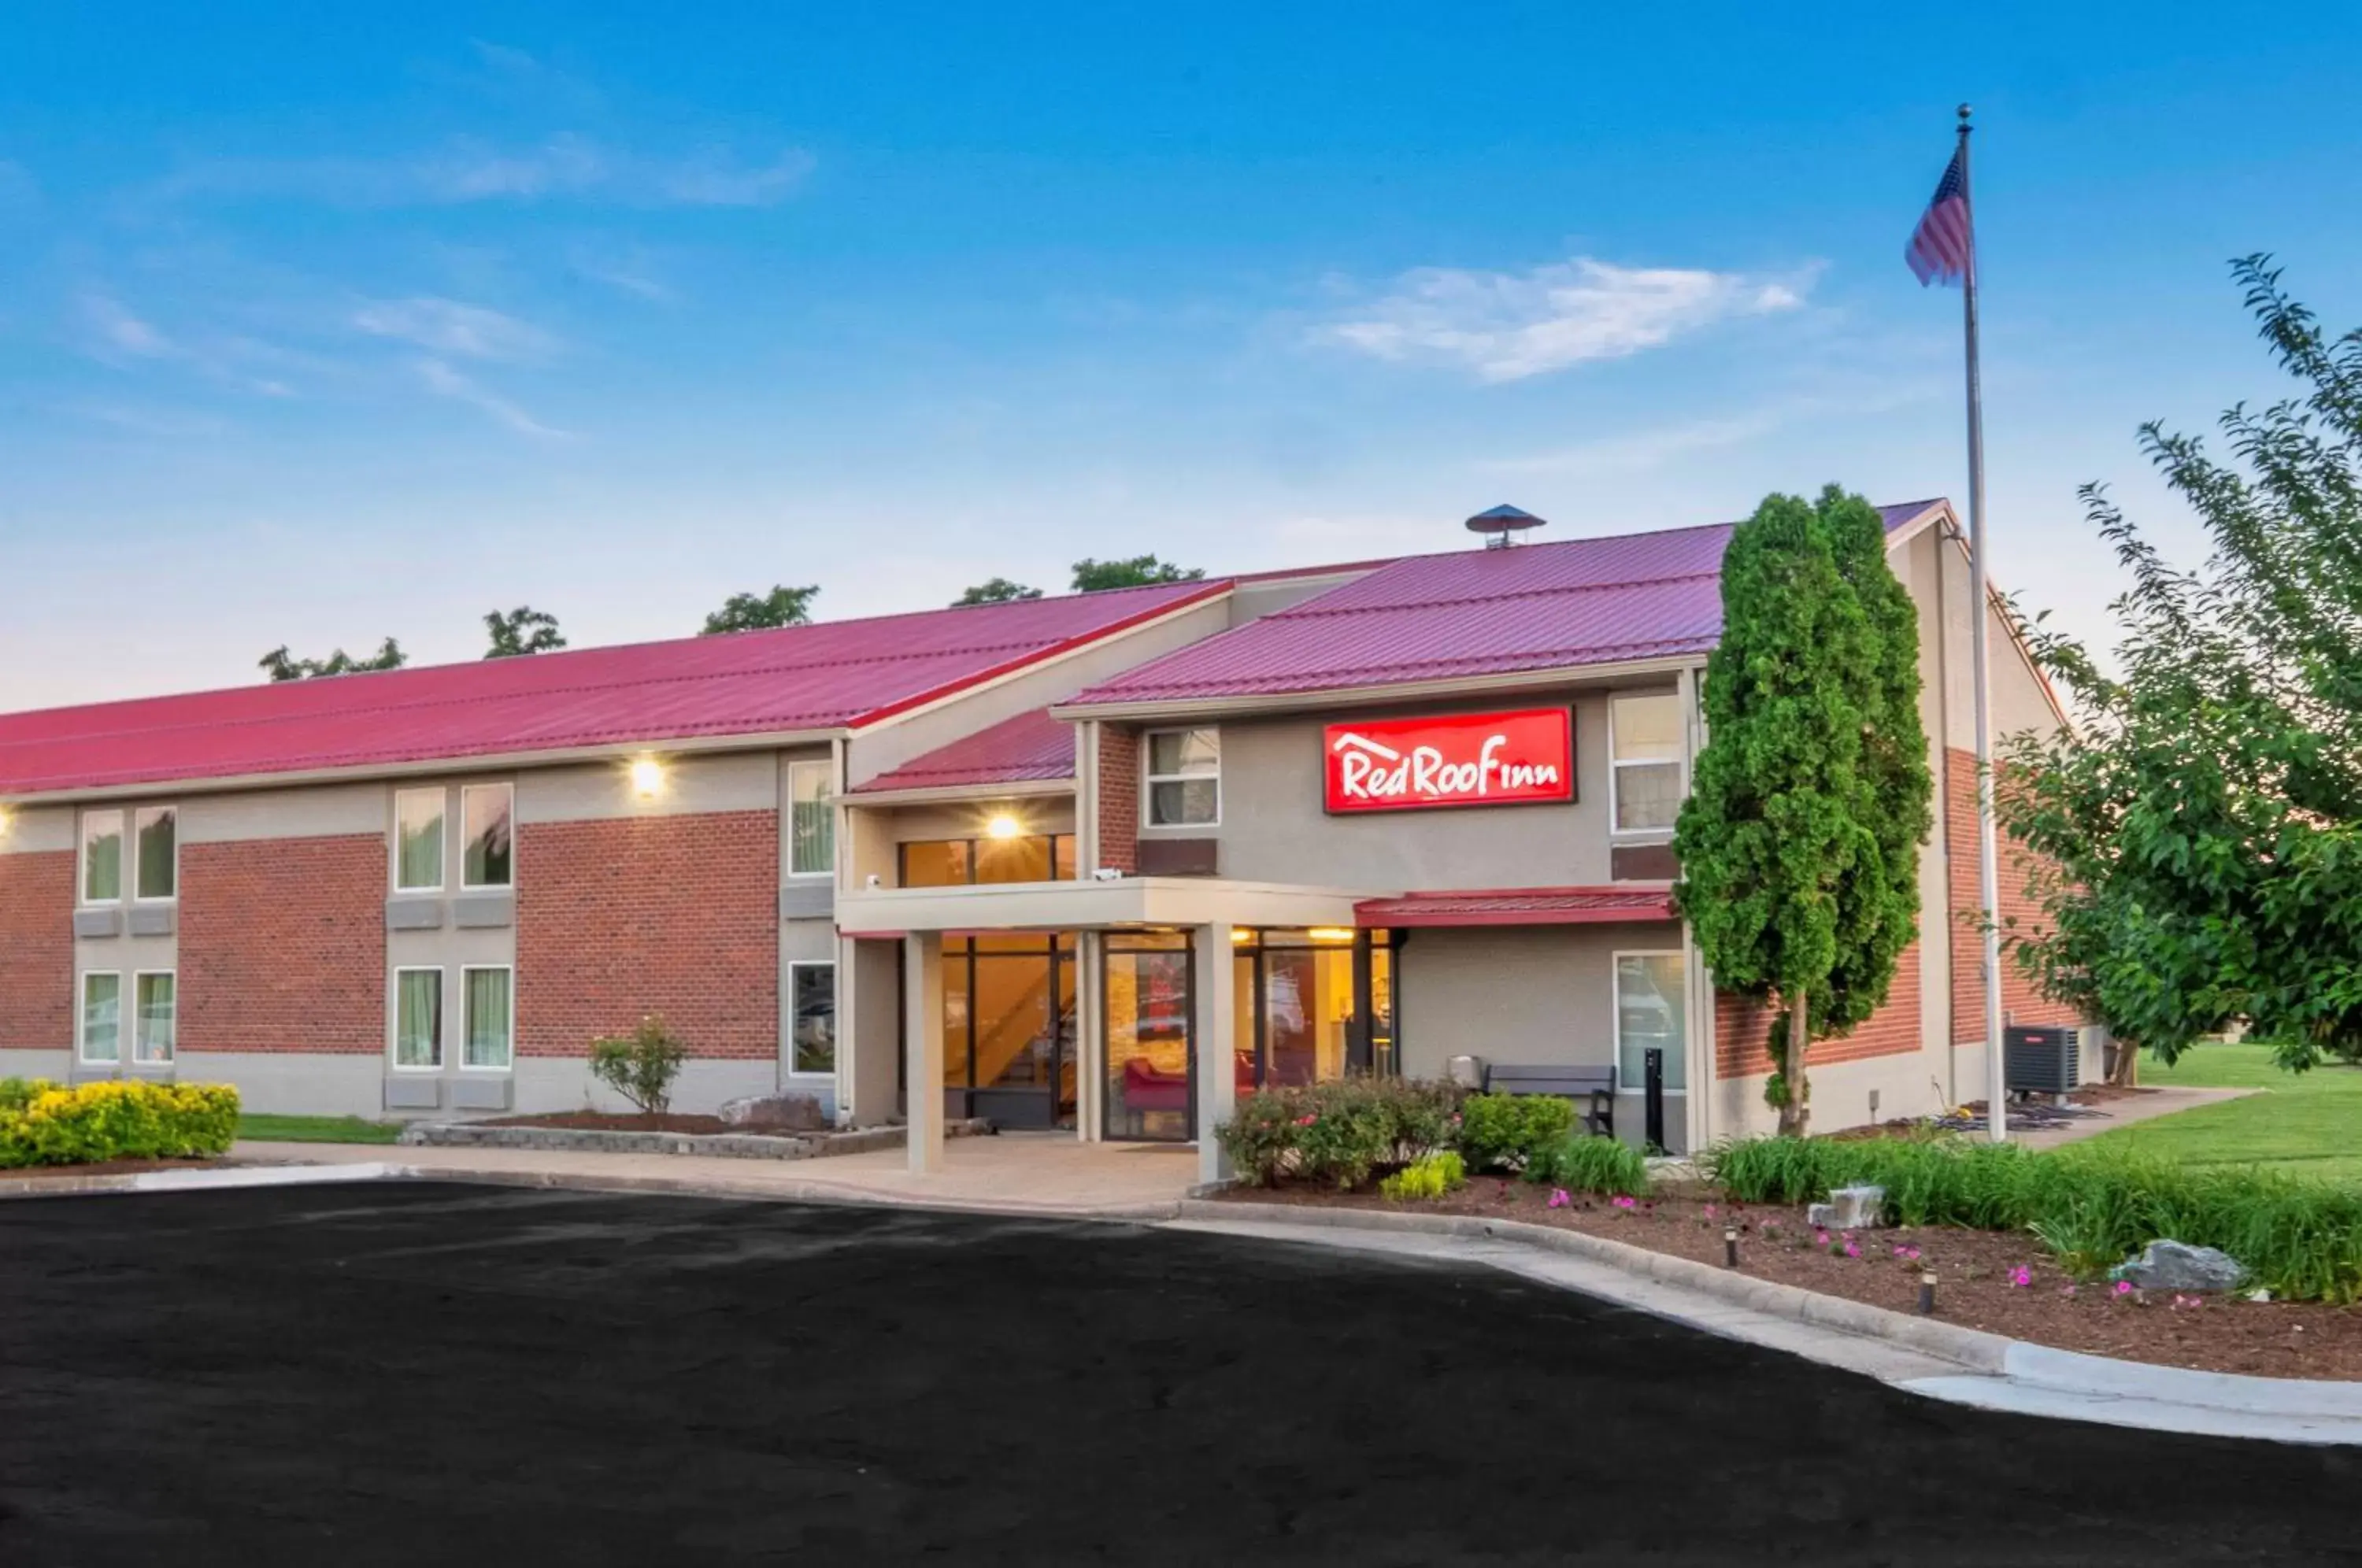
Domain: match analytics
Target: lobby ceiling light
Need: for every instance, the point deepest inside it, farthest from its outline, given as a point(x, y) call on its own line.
point(1330, 934)
point(1003, 825)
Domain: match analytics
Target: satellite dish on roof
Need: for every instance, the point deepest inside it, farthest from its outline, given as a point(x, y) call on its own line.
point(1502, 524)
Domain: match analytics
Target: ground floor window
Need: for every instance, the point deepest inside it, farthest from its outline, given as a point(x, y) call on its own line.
point(1651, 1013)
point(1145, 982)
point(1312, 1005)
point(157, 995)
point(490, 1021)
point(102, 1018)
point(812, 1018)
point(418, 1018)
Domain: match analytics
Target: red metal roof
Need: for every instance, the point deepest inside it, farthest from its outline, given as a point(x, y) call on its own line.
point(1030, 746)
point(1518, 906)
point(834, 674)
point(1536, 607)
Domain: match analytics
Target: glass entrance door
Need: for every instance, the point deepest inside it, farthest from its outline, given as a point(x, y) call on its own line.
point(1150, 1030)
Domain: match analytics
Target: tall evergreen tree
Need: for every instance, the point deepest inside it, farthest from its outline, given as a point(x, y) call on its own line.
point(1799, 842)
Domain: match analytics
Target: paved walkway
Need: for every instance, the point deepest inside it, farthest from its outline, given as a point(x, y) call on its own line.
point(1016, 1172)
point(2146, 1106)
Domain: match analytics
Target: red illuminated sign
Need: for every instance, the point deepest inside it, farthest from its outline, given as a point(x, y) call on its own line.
point(1468, 760)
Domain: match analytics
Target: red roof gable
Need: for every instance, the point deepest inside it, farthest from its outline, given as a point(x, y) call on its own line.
point(1535, 608)
point(835, 674)
point(1517, 906)
point(1030, 746)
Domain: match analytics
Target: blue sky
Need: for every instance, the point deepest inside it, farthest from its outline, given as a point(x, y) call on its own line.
point(315, 333)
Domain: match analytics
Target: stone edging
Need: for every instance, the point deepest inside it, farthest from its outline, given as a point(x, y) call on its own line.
point(727, 1145)
point(195, 1179)
point(2070, 1372)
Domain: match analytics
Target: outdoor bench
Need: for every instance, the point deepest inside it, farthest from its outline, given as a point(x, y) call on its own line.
point(1594, 1085)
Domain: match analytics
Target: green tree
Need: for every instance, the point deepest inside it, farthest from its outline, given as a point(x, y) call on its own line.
point(782, 606)
point(279, 665)
point(521, 631)
point(1140, 571)
point(1799, 895)
point(997, 591)
point(2196, 850)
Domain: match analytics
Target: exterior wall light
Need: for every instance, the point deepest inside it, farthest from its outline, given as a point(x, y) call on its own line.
point(647, 778)
point(1003, 825)
point(7, 821)
point(1330, 934)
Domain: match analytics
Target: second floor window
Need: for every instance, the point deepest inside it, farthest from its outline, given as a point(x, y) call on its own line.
point(489, 858)
point(155, 831)
point(1644, 770)
point(418, 841)
point(812, 821)
point(102, 856)
point(1184, 777)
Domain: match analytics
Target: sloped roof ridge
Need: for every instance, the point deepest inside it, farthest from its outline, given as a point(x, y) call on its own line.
point(1313, 608)
point(1639, 648)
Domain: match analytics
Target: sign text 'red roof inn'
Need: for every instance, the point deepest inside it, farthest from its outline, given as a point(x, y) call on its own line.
point(1466, 759)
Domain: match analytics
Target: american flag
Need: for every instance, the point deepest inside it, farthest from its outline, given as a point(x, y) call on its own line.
point(1940, 247)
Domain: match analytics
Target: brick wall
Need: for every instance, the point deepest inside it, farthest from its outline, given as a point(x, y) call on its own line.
point(37, 959)
point(282, 945)
point(1743, 1031)
point(675, 915)
point(1118, 797)
point(2019, 1001)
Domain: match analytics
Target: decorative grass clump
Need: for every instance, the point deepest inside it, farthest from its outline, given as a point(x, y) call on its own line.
point(1586, 1164)
point(2090, 1207)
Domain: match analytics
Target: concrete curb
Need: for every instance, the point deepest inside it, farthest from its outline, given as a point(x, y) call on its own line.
point(1970, 1348)
point(214, 1178)
point(2123, 1392)
point(786, 1192)
point(620, 1140)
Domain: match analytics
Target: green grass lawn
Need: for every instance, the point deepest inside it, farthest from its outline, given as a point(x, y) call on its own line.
point(317, 1129)
point(2305, 1123)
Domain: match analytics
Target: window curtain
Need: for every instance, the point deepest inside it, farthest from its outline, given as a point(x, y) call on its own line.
point(418, 1018)
point(488, 1018)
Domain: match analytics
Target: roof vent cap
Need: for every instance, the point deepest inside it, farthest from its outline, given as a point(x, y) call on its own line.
point(1502, 524)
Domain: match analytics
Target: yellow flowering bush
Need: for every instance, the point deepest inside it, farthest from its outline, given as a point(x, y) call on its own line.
point(113, 1119)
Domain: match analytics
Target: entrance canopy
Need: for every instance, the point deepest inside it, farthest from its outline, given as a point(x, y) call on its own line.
point(1154, 902)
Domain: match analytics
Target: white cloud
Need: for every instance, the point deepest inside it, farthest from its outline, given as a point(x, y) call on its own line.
point(119, 333)
point(1506, 327)
point(565, 167)
point(443, 381)
point(449, 326)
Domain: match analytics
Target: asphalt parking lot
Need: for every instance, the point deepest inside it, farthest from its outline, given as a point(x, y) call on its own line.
point(450, 1375)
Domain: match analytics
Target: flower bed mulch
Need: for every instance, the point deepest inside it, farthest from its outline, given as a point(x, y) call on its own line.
point(1976, 1271)
point(631, 1122)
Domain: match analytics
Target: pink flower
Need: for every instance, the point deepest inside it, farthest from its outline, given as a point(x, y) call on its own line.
point(2020, 1277)
point(2123, 1287)
point(1559, 1199)
point(1820, 1238)
point(1852, 1251)
point(1623, 1203)
point(1305, 1121)
point(1709, 1211)
point(2066, 1290)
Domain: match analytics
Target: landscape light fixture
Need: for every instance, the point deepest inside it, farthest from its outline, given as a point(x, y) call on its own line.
point(1926, 1293)
point(1730, 1246)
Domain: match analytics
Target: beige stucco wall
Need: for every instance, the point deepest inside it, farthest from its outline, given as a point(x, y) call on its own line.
point(694, 783)
point(37, 830)
point(1275, 829)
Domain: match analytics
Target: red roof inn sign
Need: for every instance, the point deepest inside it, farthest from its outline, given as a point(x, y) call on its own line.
point(1467, 759)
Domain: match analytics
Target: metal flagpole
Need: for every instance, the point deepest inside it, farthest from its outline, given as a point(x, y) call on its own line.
point(1988, 876)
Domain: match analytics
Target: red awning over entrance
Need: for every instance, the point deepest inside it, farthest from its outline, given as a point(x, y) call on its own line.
point(1518, 906)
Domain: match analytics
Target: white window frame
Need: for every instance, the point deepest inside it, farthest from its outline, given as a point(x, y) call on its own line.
point(837, 1047)
point(1615, 1014)
point(132, 853)
point(393, 1020)
point(442, 860)
point(508, 787)
point(1615, 767)
point(81, 1020)
point(461, 1060)
point(1150, 779)
point(134, 1058)
point(82, 857)
point(826, 769)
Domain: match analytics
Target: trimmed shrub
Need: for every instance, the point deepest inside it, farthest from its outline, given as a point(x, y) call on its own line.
point(641, 1065)
point(2091, 1208)
point(1586, 1162)
point(1505, 1131)
point(1431, 1176)
point(1340, 1132)
point(114, 1119)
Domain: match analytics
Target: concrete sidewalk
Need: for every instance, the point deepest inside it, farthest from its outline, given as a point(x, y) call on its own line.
point(1019, 1173)
point(2145, 1106)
